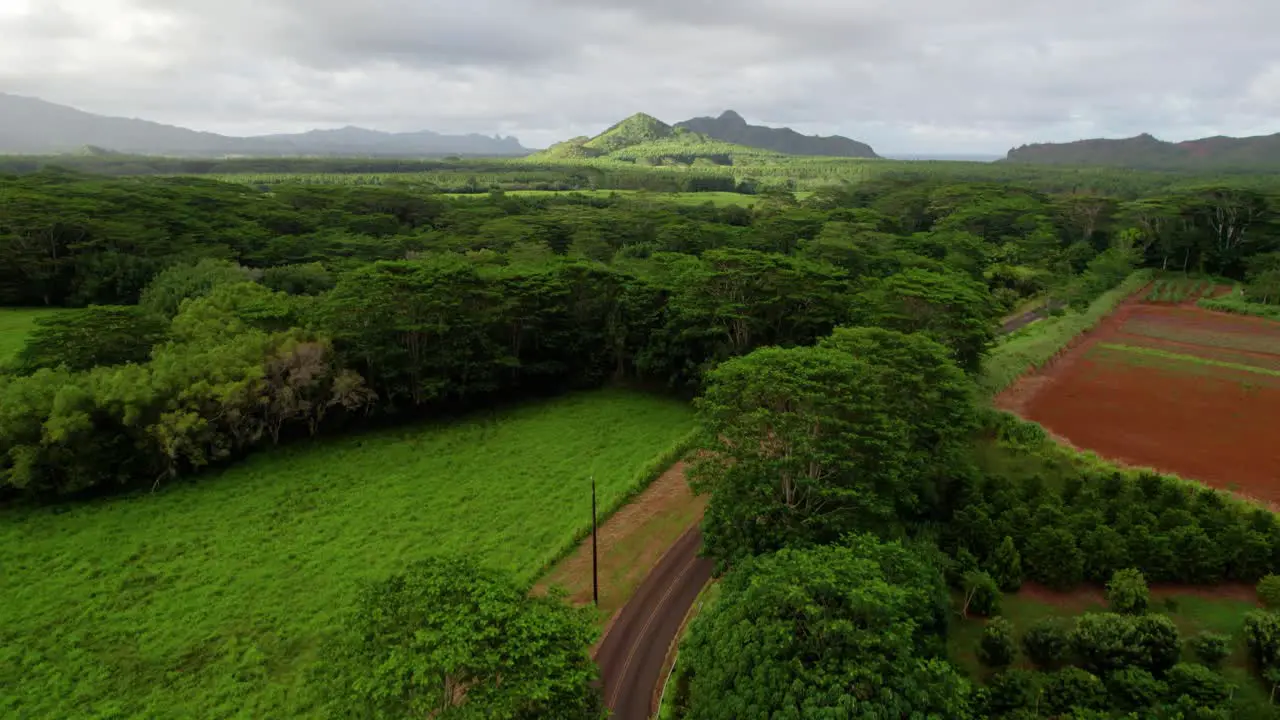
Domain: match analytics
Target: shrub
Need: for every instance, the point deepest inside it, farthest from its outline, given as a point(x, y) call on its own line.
point(1047, 643)
point(1127, 592)
point(1011, 690)
point(1199, 683)
point(981, 595)
point(1262, 635)
point(1072, 688)
point(1107, 642)
point(1135, 689)
point(1005, 566)
point(1053, 558)
point(997, 648)
point(1269, 592)
point(1211, 648)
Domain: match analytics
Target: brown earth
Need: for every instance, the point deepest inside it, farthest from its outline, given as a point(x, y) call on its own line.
point(1085, 597)
point(650, 574)
point(630, 543)
point(1214, 425)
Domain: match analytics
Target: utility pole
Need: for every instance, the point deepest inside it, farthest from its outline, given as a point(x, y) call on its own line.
point(595, 573)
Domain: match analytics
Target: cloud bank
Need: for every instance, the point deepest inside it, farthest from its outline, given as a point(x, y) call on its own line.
point(903, 75)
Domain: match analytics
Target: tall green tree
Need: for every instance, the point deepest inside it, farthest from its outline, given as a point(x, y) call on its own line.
point(816, 633)
point(802, 446)
point(950, 308)
point(447, 638)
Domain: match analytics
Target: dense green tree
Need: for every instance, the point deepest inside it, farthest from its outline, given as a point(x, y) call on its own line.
point(1010, 691)
point(1047, 643)
point(1262, 635)
point(1105, 642)
point(997, 648)
point(1072, 689)
point(1051, 557)
point(930, 394)
point(1135, 689)
point(1005, 565)
point(1211, 648)
point(97, 335)
point(1127, 592)
point(304, 279)
point(952, 309)
point(981, 595)
point(166, 293)
point(446, 638)
point(814, 633)
point(1269, 592)
point(802, 447)
point(1206, 687)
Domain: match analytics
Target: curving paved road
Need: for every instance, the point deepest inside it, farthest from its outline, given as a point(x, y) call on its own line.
point(632, 654)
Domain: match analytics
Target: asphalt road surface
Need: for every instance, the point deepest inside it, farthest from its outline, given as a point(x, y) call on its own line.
point(631, 656)
point(1025, 319)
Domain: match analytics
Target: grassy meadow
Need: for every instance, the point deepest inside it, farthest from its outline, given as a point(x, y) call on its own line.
point(209, 598)
point(15, 323)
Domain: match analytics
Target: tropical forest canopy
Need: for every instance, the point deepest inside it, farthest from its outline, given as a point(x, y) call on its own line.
point(833, 330)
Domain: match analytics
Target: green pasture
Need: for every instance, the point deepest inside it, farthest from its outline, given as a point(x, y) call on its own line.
point(210, 598)
point(15, 324)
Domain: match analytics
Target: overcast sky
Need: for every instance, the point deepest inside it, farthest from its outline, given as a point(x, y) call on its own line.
point(904, 75)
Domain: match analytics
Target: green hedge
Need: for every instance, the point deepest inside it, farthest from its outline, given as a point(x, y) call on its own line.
point(1036, 344)
point(1235, 303)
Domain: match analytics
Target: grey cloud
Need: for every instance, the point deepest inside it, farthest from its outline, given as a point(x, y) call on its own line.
point(981, 75)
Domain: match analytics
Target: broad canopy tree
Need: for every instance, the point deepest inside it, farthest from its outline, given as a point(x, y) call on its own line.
point(452, 640)
point(823, 632)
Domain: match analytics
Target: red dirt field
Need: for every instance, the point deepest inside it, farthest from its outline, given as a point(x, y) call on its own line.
point(1089, 597)
point(1212, 424)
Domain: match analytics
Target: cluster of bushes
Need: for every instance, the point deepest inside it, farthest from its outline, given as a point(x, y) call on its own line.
point(1100, 520)
point(1126, 660)
point(1236, 304)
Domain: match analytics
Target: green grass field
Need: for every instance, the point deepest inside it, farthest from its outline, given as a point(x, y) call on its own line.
point(15, 323)
point(209, 598)
point(1191, 613)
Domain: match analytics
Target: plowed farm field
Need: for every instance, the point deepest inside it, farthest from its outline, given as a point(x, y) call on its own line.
point(1172, 387)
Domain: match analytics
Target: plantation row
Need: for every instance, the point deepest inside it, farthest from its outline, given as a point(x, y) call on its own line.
point(794, 446)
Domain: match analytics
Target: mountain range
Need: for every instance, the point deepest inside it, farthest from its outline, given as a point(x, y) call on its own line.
point(29, 126)
point(645, 139)
point(731, 127)
point(1149, 153)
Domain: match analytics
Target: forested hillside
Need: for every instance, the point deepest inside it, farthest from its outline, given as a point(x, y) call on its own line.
point(33, 126)
point(731, 127)
point(1147, 152)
